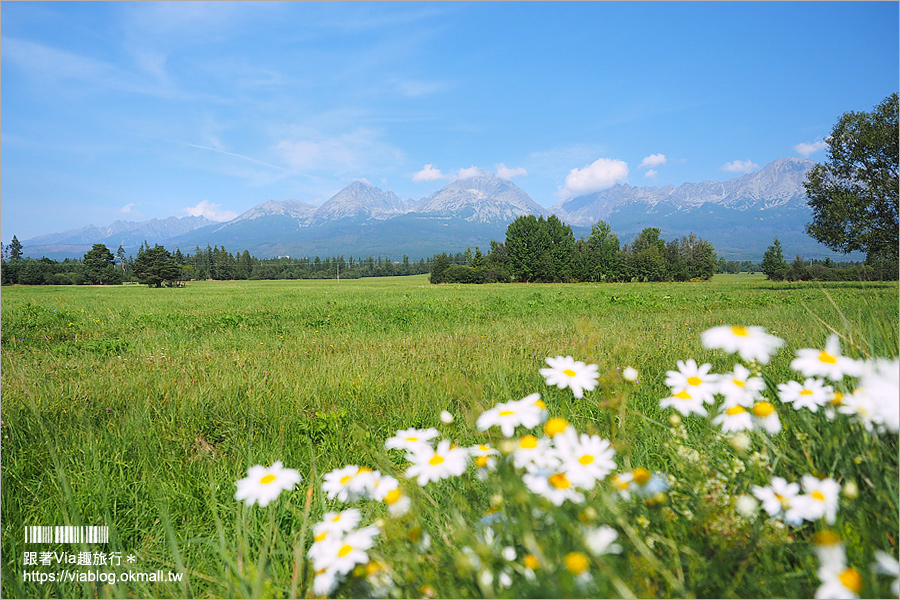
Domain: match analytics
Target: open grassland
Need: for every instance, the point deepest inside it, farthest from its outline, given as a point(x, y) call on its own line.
point(140, 408)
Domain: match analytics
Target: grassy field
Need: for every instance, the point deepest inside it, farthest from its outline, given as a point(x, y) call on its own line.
point(140, 408)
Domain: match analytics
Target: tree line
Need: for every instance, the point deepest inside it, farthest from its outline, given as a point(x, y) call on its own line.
point(156, 266)
point(877, 267)
point(545, 250)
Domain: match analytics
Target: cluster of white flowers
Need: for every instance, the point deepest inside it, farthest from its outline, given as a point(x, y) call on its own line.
point(781, 499)
point(874, 401)
point(562, 464)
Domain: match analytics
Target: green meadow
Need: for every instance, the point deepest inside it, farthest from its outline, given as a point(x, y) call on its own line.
point(140, 408)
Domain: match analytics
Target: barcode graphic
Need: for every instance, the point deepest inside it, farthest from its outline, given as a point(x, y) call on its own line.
point(67, 534)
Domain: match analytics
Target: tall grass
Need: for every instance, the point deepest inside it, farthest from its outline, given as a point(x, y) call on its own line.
point(140, 408)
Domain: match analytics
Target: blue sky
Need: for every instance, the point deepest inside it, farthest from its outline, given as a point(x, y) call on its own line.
point(140, 110)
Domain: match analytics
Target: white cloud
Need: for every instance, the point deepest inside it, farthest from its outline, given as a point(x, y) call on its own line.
point(472, 171)
point(740, 166)
point(211, 211)
point(601, 174)
point(428, 173)
point(654, 160)
point(129, 209)
point(357, 150)
point(651, 173)
point(504, 172)
point(807, 149)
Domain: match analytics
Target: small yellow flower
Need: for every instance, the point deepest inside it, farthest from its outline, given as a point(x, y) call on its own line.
point(577, 562)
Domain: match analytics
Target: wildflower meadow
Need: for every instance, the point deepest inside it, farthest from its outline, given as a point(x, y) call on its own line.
point(391, 439)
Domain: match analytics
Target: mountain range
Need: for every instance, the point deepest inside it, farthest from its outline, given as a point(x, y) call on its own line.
point(740, 217)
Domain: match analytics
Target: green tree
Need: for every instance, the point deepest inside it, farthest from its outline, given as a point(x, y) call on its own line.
point(604, 245)
point(439, 264)
point(156, 266)
point(100, 266)
point(854, 194)
point(773, 264)
point(539, 249)
point(15, 249)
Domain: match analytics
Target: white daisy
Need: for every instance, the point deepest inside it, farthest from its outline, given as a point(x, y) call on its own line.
point(639, 481)
point(695, 380)
point(485, 459)
point(838, 581)
point(337, 522)
point(533, 454)
point(630, 374)
point(262, 485)
point(746, 506)
point(830, 363)
point(339, 483)
point(397, 502)
point(766, 417)
point(781, 499)
point(739, 388)
point(888, 565)
point(684, 403)
point(325, 582)
point(811, 394)
point(555, 487)
point(344, 553)
point(509, 415)
point(601, 540)
point(566, 372)
point(734, 419)
point(824, 495)
point(830, 550)
point(880, 383)
point(430, 464)
point(586, 459)
point(407, 439)
point(751, 343)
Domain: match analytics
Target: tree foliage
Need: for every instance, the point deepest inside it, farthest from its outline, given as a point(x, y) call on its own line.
point(773, 264)
point(156, 266)
point(100, 266)
point(854, 194)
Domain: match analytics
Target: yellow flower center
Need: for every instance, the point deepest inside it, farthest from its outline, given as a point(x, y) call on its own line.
point(345, 550)
point(683, 395)
point(738, 383)
point(763, 409)
point(851, 579)
point(559, 481)
point(436, 460)
point(739, 330)
point(321, 536)
point(837, 400)
point(506, 413)
point(555, 425)
point(412, 439)
point(336, 518)
point(640, 476)
point(267, 479)
point(569, 373)
point(346, 479)
point(531, 561)
point(694, 380)
point(577, 563)
point(826, 538)
point(484, 448)
point(528, 442)
point(827, 358)
point(619, 482)
point(540, 404)
point(785, 503)
point(363, 470)
point(818, 496)
point(806, 392)
point(481, 461)
point(586, 459)
point(735, 410)
point(392, 497)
